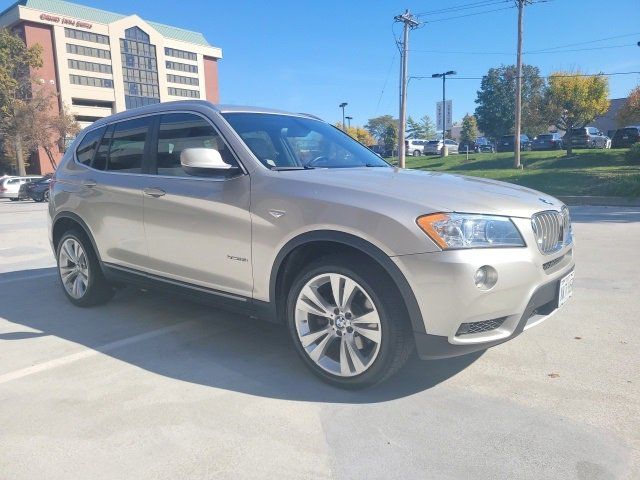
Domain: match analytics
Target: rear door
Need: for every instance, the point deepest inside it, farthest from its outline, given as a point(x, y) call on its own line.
point(198, 228)
point(112, 191)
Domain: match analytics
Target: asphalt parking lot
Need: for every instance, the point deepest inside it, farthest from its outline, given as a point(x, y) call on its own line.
point(151, 386)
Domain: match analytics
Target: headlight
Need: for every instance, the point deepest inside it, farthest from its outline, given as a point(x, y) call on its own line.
point(461, 230)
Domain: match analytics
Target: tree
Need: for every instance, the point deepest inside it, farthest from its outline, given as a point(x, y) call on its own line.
point(16, 62)
point(469, 131)
point(359, 134)
point(495, 112)
point(379, 126)
point(423, 128)
point(573, 100)
point(629, 114)
point(390, 138)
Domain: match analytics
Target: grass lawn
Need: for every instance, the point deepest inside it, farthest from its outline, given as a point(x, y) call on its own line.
point(586, 172)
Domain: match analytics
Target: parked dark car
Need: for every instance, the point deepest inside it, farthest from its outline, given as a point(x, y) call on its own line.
point(505, 143)
point(484, 145)
point(381, 150)
point(547, 141)
point(37, 190)
point(625, 137)
point(587, 137)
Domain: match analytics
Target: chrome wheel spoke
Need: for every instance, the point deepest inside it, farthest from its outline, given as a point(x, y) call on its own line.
point(310, 338)
point(373, 335)
point(320, 348)
point(368, 318)
point(311, 302)
point(349, 290)
point(354, 355)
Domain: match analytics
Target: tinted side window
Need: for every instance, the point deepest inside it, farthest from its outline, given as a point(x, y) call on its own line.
point(88, 146)
point(100, 160)
point(179, 131)
point(127, 145)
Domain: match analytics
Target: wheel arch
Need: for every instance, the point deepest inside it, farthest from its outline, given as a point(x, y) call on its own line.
point(324, 242)
point(65, 221)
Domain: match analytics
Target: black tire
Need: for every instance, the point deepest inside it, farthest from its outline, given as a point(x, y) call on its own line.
point(14, 199)
point(38, 199)
point(397, 339)
point(45, 196)
point(99, 290)
point(416, 153)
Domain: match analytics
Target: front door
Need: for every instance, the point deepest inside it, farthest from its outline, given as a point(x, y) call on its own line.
point(198, 228)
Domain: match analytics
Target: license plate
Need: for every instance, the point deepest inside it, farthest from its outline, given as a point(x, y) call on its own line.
point(566, 289)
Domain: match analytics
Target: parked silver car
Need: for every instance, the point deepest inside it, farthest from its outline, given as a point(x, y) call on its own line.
point(10, 186)
point(434, 147)
point(286, 217)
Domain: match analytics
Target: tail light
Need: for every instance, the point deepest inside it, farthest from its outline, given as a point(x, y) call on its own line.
point(2, 189)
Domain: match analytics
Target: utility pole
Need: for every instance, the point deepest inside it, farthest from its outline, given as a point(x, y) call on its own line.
point(516, 139)
point(409, 22)
point(342, 105)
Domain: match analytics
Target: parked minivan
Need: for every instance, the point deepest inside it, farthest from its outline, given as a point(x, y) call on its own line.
point(415, 146)
point(284, 217)
point(587, 137)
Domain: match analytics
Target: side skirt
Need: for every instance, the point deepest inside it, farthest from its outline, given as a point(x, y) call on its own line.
point(227, 301)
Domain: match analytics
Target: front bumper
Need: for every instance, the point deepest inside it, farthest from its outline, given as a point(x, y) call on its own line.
point(443, 285)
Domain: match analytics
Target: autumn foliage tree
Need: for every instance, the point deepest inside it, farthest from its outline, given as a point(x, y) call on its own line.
point(629, 114)
point(469, 131)
point(359, 134)
point(574, 99)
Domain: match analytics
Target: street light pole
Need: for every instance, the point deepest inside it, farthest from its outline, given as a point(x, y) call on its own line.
point(342, 105)
point(349, 121)
point(444, 99)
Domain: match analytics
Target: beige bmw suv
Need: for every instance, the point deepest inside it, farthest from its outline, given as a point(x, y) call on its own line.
point(285, 217)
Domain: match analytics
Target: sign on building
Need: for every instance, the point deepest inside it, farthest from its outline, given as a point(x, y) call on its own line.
point(448, 115)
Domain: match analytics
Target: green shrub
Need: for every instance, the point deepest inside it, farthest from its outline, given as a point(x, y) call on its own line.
point(633, 155)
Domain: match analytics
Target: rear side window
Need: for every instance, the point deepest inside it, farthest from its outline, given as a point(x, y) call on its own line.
point(179, 131)
point(87, 148)
point(100, 160)
point(128, 144)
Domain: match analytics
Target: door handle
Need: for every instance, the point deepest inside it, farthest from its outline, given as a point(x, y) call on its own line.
point(153, 192)
point(89, 183)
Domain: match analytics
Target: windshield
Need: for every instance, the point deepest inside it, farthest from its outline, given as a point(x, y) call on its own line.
point(287, 141)
point(544, 137)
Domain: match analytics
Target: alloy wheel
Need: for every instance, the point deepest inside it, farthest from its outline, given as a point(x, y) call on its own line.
point(338, 325)
point(73, 267)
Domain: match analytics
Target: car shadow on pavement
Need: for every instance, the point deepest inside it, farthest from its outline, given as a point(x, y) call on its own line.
point(192, 342)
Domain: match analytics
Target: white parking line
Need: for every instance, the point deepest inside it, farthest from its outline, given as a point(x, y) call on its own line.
point(74, 357)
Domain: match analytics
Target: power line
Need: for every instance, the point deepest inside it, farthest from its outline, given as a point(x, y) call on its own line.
point(534, 52)
point(384, 86)
point(465, 6)
point(612, 74)
point(587, 42)
point(468, 15)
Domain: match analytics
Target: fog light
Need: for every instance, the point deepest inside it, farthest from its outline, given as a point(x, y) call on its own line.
point(485, 277)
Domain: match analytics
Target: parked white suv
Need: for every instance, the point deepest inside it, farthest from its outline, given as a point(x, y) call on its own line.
point(415, 146)
point(287, 218)
point(10, 186)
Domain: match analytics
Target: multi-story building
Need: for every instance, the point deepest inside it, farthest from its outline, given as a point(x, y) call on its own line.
point(101, 62)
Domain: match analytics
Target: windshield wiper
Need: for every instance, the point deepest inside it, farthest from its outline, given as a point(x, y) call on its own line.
point(294, 167)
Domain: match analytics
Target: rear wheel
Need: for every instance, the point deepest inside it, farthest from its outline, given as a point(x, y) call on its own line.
point(416, 153)
point(347, 323)
point(14, 199)
point(79, 270)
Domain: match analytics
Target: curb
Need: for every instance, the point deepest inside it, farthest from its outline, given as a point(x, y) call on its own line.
point(601, 201)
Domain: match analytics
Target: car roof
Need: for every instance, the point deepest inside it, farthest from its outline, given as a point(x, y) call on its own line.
point(187, 104)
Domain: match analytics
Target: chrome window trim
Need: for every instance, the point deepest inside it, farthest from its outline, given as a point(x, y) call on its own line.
point(167, 112)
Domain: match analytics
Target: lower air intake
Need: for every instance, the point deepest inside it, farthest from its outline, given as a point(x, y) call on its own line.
point(479, 327)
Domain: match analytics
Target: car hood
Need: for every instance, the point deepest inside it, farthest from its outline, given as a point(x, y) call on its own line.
point(435, 191)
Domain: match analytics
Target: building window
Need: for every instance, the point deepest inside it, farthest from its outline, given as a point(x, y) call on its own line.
point(182, 67)
point(183, 80)
point(172, 52)
point(89, 66)
point(88, 51)
point(86, 36)
point(139, 69)
point(90, 81)
point(184, 92)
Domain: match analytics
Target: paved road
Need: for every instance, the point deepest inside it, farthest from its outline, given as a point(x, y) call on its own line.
point(151, 386)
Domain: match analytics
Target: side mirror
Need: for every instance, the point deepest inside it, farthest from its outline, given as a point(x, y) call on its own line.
point(203, 161)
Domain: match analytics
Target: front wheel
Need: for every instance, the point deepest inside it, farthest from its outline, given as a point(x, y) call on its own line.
point(347, 323)
point(416, 153)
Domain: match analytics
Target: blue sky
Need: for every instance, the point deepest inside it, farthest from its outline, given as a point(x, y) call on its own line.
point(310, 56)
